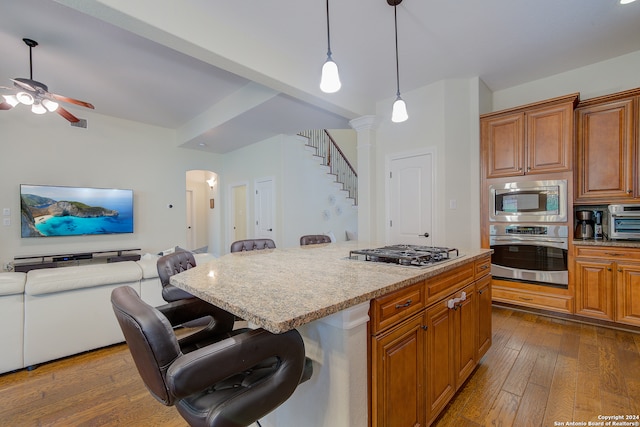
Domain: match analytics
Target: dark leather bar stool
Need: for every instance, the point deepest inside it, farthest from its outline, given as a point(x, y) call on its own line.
point(252, 245)
point(177, 262)
point(231, 382)
point(314, 239)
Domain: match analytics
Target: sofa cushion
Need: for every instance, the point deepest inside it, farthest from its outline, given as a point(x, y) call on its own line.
point(50, 280)
point(12, 283)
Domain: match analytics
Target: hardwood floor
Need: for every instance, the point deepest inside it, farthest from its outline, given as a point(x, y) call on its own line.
point(542, 371)
point(539, 371)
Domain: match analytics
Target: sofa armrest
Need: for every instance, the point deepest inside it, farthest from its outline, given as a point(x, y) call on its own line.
point(12, 283)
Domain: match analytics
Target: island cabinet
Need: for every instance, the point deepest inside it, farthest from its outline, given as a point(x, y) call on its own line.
point(533, 139)
point(606, 146)
point(426, 340)
point(608, 283)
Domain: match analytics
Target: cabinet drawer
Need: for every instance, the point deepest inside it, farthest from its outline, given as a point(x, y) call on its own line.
point(560, 303)
point(449, 281)
point(388, 310)
point(483, 266)
point(610, 253)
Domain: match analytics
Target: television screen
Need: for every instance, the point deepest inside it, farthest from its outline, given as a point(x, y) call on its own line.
point(48, 210)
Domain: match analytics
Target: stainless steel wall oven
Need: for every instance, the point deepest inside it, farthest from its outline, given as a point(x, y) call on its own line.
point(532, 253)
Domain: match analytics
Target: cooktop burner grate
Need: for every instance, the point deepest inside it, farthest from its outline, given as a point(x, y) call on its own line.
point(406, 255)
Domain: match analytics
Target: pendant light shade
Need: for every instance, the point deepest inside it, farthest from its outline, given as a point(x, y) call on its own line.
point(330, 79)
point(399, 112)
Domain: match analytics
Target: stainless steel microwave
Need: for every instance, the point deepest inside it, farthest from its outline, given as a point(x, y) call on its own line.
point(528, 201)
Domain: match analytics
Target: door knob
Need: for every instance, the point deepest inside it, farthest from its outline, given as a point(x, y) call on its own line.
point(423, 235)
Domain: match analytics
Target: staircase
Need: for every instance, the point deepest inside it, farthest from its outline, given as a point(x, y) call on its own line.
point(326, 148)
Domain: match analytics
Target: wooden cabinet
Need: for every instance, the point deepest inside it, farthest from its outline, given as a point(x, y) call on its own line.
point(483, 290)
point(398, 372)
point(608, 283)
point(606, 146)
point(534, 139)
point(420, 359)
point(594, 290)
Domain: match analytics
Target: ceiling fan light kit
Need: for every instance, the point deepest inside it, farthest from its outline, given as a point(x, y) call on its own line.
point(37, 95)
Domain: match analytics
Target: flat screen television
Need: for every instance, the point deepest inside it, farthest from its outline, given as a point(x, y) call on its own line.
point(48, 210)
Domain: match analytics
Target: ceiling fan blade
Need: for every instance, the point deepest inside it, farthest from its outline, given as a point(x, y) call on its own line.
point(23, 85)
point(67, 115)
point(5, 106)
point(71, 100)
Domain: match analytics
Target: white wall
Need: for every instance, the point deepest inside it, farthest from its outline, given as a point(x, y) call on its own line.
point(602, 78)
point(110, 153)
point(444, 116)
point(301, 191)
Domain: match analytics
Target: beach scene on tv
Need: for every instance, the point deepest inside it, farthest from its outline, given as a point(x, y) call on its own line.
point(73, 211)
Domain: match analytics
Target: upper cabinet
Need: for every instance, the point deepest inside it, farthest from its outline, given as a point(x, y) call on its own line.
point(532, 139)
point(606, 148)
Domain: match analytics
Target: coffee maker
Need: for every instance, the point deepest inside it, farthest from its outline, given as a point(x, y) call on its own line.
point(584, 225)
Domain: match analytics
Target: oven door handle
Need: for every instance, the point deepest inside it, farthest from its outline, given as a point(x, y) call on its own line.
point(556, 243)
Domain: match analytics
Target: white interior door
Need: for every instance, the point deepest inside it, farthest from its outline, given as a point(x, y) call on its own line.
point(265, 209)
point(410, 186)
point(239, 212)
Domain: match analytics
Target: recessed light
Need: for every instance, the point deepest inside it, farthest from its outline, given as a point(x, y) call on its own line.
point(626, 1)
point(202, 144)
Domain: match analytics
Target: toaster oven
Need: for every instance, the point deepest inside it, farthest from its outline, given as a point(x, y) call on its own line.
point(624, 222)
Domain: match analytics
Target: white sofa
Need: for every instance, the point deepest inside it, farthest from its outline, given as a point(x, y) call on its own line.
point(12, 320)
point(57, 312)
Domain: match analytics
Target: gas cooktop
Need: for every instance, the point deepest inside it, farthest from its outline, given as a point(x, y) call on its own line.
point(406, 255)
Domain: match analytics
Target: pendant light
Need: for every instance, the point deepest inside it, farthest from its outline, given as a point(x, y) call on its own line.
point(399, 112)
point(330, 80)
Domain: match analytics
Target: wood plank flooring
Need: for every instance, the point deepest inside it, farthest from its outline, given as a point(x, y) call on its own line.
point(543, 371)
point(539, 371)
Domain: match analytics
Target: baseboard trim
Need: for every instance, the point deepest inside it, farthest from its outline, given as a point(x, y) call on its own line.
point(569, 317)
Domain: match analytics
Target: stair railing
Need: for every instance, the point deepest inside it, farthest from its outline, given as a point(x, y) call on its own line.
point(333, 157)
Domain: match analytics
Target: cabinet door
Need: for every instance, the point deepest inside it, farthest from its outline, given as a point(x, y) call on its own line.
point(549, 139)
point(465, 334)
point(605, 152)
point(628, 293)
point(398, 369)
point(503, 145)
point(440, 358)
point(483, 290)
point(594, 288)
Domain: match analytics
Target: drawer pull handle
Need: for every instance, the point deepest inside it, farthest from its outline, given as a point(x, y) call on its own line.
point(619, 270)
point(614, 254)
point(526, 299)
point(406, 304)
point(484, 267)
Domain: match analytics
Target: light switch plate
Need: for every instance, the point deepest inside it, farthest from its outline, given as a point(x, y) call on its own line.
point(6, 221)
point(6, 212)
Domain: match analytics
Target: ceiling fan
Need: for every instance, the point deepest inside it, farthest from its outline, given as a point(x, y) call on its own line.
point(37, 95)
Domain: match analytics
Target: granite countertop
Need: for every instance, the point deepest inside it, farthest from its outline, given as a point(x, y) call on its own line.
point(281, 289)
point(607, 242)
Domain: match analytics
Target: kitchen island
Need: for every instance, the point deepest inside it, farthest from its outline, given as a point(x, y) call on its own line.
point(326, 296)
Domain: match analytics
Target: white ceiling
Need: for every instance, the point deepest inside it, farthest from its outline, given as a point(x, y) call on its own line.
point(227, 74)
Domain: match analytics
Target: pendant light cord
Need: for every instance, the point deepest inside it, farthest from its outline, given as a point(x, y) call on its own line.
point(328, 32)
point(395, 18)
